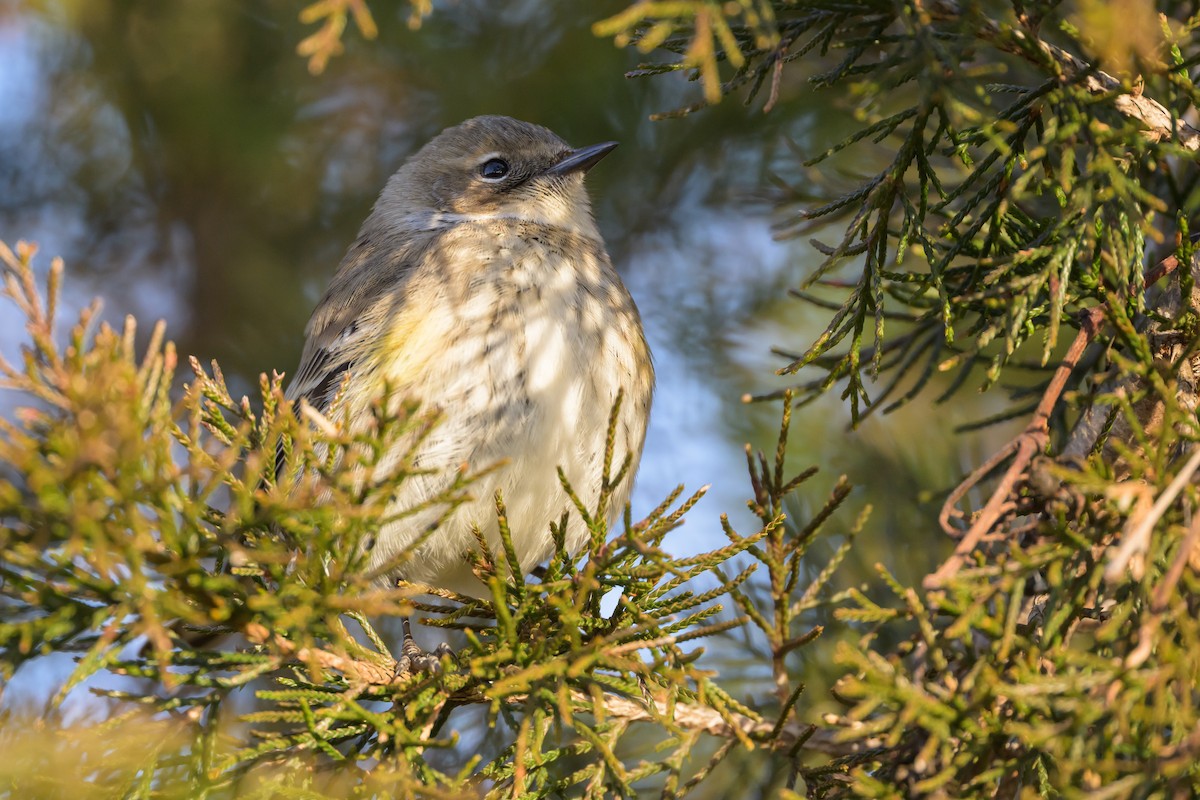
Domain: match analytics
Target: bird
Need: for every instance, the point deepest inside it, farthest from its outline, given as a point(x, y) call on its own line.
point(479, 287)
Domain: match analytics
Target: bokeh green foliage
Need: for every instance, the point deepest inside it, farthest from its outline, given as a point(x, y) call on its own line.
point(141, 530)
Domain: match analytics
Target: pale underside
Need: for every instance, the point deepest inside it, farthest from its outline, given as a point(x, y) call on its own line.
point(523, 351)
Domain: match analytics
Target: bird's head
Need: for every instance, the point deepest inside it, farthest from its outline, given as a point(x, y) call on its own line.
point(494, 167)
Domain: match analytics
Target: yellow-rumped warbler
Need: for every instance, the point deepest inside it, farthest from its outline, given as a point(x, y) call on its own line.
point(479, 286)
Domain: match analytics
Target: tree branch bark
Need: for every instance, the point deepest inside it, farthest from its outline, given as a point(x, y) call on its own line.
point(689, 716)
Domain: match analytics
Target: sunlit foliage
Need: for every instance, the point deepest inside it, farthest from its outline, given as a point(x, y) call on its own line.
point(1014, 209)
point(140, 530)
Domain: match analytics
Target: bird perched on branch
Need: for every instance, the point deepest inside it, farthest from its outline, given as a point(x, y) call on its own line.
point(479, 286)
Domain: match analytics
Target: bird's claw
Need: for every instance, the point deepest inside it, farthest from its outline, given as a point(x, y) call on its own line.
point(413, 660)
point(418, 661)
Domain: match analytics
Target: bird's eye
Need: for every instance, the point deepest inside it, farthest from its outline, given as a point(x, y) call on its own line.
point(494, 169)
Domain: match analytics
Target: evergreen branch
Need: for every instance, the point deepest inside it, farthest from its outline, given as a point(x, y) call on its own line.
point(685, 716)
point(1161, 124)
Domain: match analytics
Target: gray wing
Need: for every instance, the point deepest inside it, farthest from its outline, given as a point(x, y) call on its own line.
point(368, 286)
point(323, 365)
point(365, 293)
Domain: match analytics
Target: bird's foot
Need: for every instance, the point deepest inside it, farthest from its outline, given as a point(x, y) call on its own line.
point(414, 660)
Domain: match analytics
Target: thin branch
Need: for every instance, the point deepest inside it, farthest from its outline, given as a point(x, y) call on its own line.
point(1136, 538)
point(1147, 634)
point(688, 716)
point(1028, 444)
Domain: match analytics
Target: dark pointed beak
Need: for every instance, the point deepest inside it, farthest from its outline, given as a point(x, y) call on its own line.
point(581, 160)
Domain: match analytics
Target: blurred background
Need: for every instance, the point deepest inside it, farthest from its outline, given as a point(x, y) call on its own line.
point(186, 165)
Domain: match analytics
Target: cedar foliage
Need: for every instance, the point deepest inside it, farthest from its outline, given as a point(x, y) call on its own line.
point(1031, 177)
point(1013, 213)
point(139, 528)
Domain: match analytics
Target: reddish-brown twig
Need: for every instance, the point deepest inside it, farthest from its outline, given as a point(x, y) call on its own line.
point(1028, 444)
